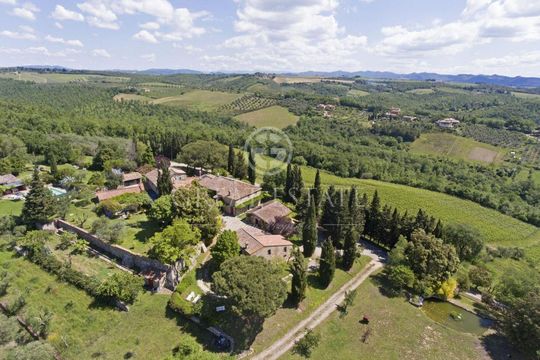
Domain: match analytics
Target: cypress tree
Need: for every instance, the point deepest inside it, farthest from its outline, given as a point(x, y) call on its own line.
point(251, 173)
point(298, 182)
point(372, 215)
point(39, 206)
point(329, 214)
point(230, 160)
point(317, 191)
point(309, 230)
point(240, 167)
point(349, 248)
point(343, 221)
point(164, 183)
point(299, 277)
point(327, 265)
point(438, 231)
point(356, 211)
point(395, 230)
point(288, 183)
point(148, 156)
point(53, 164)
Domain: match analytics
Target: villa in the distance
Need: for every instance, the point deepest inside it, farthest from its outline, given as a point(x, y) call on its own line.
point(11, 184)
point(448, 123)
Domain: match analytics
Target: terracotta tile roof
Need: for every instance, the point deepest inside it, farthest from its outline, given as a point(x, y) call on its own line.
point(228, 187)
point(252, 240)
point(131, 176)
point(8, 179)
point(108, 194)
point(153, 175)
point(270, 212)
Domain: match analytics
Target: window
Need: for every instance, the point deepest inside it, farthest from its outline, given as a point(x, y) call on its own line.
point(285, 249)
point(269, 252)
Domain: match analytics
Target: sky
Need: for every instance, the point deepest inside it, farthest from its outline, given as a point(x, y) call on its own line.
point(444, 36)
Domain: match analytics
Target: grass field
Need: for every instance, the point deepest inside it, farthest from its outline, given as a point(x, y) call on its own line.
point(130, 97)
point(60, 78)
point(398, 331)
point(496, 228)
point(203, 100)
point(275, 116)
point(285, 318)
point(421, 91)
point(296, 79)
point(356, 92)
point(83, 329)
point(9, 207)
point(526, 95)
point(457, 147)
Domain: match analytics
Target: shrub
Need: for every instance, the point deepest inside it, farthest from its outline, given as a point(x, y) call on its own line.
point(109, 207)
point(122, 286)
point(304, 347)
point(181, 305)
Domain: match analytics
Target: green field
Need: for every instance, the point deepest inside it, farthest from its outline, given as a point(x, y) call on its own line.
point(356, 92)
point(457, 147)
point(528, 96)
point(203, 100)
point(130, 97)
point(84, 329)
point(9, 207)
point(421, 91)
point(43, 78)
point(398, 331)
point(496, 228)
point(275, 116)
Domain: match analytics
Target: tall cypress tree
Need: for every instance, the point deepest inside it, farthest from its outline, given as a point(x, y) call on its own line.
point(343, 221)
point(372, 215)
point(356, 212)
point(39, 206)
point(329, 211)
point(317, 192)
point(299, 277)
point(230, 160)
point(252, 174)
point(395, 228)
point(382, 233)
point(240, 166)
point(309, 230)
point(327, 265)
point(298, 181)
point(164, 183)
point(53, 164)
point(349, 248)
point(288, 183)
point(438, 231)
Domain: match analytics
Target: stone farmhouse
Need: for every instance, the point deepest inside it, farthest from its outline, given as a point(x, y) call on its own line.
point(11, 184)
point(255, 242)
point(272, 217)
point(237, 196)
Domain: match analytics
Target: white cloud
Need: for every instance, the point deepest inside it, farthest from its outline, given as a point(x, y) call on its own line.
point(300, 33)
point(53, 39)
point(27, 11)
point(58, 25)
point(482, 21)
point(151, 25)
point(145, 36)
point(18, 35)
point(101, 53)
point(149, 57)
point(38, 50)
point(100, 14)
point(61, 13)
point(8, 2)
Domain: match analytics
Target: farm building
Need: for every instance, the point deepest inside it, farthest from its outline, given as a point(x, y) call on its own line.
point(237, 196)
point(109, 194)
point(132, 178)
point(394, 112)
point(448, 123)
point(255, 242)
point(178, 174)
point(273, 217)
point(10, 184)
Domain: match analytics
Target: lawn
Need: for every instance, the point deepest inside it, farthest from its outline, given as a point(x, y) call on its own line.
point(398, 331)
point(285, 318)
point(356, 92)
point(275, 116)
point(526, 96)
point(84, 329)
point(11, 207)
point(203, 100)
point(457, 147)
point(421, 91)
point(496, 228)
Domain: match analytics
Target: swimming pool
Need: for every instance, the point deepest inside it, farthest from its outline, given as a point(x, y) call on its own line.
point(57, 191)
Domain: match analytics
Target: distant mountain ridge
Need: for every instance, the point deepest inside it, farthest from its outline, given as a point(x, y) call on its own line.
point(501, 80)
point(517, 81)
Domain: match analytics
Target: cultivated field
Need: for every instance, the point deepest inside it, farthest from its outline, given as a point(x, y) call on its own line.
point(398, 330)
point(526, 95)
point(130, 97)
point(276, 116)
point(61, 78)
point(457, 147)
point(203, 100)
point(356, 92)
point(421, 91)
point(296, 80)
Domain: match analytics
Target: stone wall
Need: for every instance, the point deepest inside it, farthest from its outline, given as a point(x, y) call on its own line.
point(128, 259)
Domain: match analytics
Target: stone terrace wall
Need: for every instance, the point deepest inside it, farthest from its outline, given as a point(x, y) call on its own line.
point(128, 258)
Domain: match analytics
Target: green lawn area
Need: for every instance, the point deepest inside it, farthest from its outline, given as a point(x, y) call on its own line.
point(11, 207)
point(356, 92)
point(496, 228)
point(421, 91)
point(398, 331)
point(527, 96)
point(285, 318)
point(203, 100)
point(457, 147)
point(84, 329)
point(275, 116)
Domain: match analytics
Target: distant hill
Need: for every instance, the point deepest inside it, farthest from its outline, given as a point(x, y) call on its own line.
point(518, 81)
point(168, 71)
